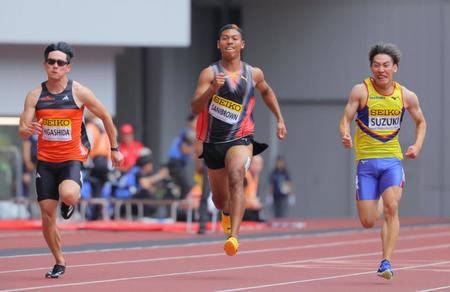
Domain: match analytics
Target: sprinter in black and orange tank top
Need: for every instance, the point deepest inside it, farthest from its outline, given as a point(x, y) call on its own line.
point(224, 100)
point(54, 111)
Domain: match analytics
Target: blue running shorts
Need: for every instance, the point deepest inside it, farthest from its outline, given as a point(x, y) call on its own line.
point(374, 176)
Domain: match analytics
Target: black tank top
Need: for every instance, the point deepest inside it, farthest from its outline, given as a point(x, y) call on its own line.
point(229, 113)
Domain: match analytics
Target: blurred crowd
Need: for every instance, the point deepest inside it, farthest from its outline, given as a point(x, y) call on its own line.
point(140, 178)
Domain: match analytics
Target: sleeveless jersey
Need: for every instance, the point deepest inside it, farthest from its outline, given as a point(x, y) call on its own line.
point(378, 124)
point(63, 132)
point(228, 115)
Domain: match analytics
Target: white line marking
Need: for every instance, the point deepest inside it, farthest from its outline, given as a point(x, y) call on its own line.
point(38, 233)
point(250, 267)
point(266, 250)
point(327, 278)
point(428, 235)
point(435, 289)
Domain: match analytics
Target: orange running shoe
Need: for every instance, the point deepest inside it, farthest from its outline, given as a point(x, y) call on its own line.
point(231, 246)
point(226, 224)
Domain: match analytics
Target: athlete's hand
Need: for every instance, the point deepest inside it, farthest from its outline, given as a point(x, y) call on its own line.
point(412, 152)
point(347, 141)
point(219, 81)
point(116, 158)
point(281, 130)
point(34, 128)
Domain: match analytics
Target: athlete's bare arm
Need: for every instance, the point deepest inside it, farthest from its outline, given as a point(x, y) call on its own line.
point(355, 99)
point(27, 126)
point(270, 100)
point(412, 105)
point(85, 96)
point(207, 85)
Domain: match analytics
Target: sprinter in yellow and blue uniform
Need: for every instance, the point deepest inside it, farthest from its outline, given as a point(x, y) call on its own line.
point(380, 103)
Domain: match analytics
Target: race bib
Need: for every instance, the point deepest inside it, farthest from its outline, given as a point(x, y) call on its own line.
point(384, 119)
point(225, 110)
point(57, 129)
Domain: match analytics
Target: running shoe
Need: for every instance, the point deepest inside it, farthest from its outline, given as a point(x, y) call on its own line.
point(57, 271)
point(226, 224)
point(385, 270)
point(231, 246)
point(66, 210)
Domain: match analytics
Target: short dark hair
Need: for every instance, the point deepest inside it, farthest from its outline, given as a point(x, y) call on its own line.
point(385, 48)
point(231, 26)
point(60, 46)
point(190, 118)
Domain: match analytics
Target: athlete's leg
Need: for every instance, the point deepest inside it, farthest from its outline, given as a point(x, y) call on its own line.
point(391, 187)
point(50, 230)
point(391, 226)
point(236, 161)
point(218, 182)
point(367, 193)
point(368, 212)
point(69, 192)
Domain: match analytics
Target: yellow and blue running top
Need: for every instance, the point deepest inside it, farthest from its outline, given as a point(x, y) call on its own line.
point(378, 124)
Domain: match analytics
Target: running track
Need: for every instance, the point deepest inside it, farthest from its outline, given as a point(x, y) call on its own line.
point(333, 257)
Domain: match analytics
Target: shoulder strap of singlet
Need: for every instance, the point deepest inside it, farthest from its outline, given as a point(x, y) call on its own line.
point(216, 68)
point(68, 86)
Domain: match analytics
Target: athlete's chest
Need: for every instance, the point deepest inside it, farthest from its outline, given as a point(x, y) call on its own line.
point(56, 101)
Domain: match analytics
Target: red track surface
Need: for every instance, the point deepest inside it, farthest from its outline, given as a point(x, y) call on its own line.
point(339, 261)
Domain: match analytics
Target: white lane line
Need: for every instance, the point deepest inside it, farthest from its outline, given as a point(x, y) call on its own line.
point(435, 289)
point(38, 233)
point(254, 251)
point(407, 237)
point(324, 278)
point(248, 267)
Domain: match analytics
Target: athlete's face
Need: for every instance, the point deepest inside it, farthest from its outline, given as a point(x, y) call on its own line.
point(383, 69)
point(53, 69)
point(230, 43)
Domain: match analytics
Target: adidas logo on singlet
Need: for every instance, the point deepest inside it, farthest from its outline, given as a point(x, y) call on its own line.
point(38, 175)
point(65, 98)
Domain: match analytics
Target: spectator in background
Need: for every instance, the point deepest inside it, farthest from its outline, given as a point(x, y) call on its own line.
point(29, 156)
point(99, 164)
point(129, 147)
point(180, 153)
point(99, 157)
point(281, 188)
point(202, 172)
point(147, 179)
point(253, 204)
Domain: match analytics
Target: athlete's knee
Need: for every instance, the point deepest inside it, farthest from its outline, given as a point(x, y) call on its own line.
point(391, 208)
point(235, 179)
point(367, 223)
point(218, 202)
point(70, 196)
point(48, 216)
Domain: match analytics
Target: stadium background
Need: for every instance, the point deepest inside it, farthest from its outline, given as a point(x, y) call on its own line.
point(142, 59)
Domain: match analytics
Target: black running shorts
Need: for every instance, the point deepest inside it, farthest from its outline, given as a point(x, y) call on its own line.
point(49, 175)
point(214, 153)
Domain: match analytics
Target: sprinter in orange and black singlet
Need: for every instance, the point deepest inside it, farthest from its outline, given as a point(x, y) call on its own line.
point(63, 145)
point(64, 134)
point(54, 112)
